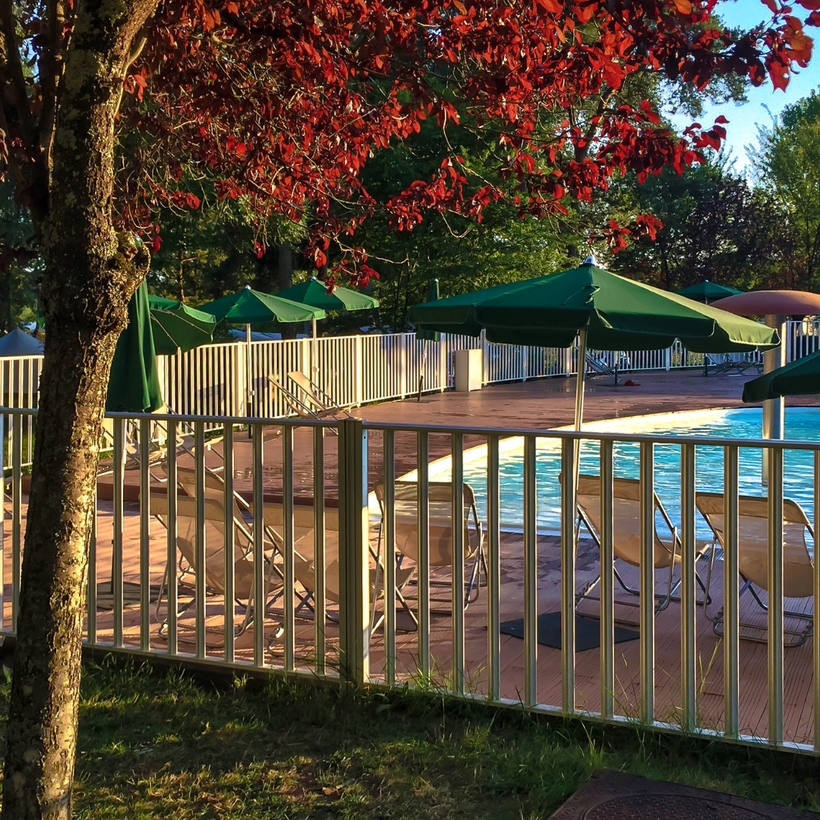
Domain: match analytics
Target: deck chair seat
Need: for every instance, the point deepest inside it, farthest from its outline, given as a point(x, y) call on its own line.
point(213, 531)
point(306, 399)
point(753, 558)
point(626, 542)
point(304, 556)
point(441, 541)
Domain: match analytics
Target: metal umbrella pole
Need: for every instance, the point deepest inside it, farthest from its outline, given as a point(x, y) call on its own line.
point(248, 372)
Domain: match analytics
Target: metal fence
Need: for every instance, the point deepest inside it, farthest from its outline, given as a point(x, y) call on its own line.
point(354, 370)
point(281, 552)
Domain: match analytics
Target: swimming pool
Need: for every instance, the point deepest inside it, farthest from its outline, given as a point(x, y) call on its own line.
point(802, 424)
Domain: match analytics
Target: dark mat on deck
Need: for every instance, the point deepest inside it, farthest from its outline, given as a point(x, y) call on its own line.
point(587, 631)
point(131, 594)
point(609, 795)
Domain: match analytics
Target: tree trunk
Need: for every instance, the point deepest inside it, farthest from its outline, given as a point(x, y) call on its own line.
point(91, 273)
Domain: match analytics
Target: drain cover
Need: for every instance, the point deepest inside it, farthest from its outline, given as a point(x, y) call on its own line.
point(614, 796)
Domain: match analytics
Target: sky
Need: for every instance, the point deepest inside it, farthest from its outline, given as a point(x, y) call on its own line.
point(744, 118)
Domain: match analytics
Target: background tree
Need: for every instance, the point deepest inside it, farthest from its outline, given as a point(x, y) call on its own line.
point(716, 226)
point(280, 104)
point(787, 165)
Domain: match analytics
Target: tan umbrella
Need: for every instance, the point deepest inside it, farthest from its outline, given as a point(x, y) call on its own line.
point(775, 306)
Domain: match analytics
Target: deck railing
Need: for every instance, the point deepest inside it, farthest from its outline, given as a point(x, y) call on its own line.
point(288, 517)
point(355, 370)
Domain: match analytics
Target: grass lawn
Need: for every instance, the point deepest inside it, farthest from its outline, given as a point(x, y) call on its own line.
point(157, 744)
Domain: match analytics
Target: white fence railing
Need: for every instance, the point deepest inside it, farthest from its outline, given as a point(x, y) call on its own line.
point(322, 553)
point(354, 370)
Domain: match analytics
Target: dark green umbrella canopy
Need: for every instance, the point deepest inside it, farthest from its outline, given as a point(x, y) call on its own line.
point(161, 303)
point(433, 295)
point(798, 378)
point(134, 383)
point(707, 291)
point(616, 313)
point(178, 327)
point(250, 307)
point(316, 294)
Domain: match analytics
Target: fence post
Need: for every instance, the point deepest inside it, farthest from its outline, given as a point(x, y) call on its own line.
point(667, 359)
point(358, 373)
point(354, 566)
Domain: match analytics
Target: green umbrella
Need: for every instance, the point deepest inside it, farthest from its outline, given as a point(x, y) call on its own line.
point(798, 378)
point(317, 294)
point(433, 294)
point(606, 311)
point(161, 303)
point(707, 291)
point(250, 307)
point(178, 327)
point(134, 383)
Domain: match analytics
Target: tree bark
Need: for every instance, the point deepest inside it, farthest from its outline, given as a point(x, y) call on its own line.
point(91, 273)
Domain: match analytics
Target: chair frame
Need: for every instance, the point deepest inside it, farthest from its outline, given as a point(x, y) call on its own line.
point(272, 572)
point(478, 556)
point(662, 600)
point(717, 620)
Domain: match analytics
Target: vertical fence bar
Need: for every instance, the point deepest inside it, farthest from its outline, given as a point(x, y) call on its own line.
point(607, 660)
point(775, 595)
point(647, 585)
point(229, 626)
point(320, 561)
point(388, 541)
point(200, 568)
point(494, 566)
point(816, 610)
point(457, 460)
point(16, 513)
point(116, 537)
point(145, 536)
point(568, 553)
point(4, 442)
point(171, 540)
point(530, 575)
point(354, 606)
point(423, 569)
point(731, 592)
point(289, 635)
point(688, 590)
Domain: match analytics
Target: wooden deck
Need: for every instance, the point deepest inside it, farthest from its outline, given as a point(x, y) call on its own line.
point(532, 405)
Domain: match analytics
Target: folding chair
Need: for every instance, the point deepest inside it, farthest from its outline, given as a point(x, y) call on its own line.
point(753, 558)
point(213, 533)
point(626, 541)
point(441, 529)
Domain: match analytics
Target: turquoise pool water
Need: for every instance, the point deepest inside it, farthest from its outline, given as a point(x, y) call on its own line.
point(802, 424)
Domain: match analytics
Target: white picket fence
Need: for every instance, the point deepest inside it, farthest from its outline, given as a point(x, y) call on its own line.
point(354, 370)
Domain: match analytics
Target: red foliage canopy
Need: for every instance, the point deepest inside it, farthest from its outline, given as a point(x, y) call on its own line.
point(282, 103)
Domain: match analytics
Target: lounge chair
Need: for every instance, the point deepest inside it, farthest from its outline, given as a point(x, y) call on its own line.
point(626, 541)
point(214, 570)
point(314, 397)
point(304, 558)
point(753, 558)
point(600, 367)
point(440, 530)
point(732, 363)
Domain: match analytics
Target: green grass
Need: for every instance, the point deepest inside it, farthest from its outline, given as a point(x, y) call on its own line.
point(165, 745)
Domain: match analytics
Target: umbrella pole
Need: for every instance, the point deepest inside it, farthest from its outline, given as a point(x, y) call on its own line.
point(773, 409)
point(421, 371)
point(580, 379)
point(248, 373)
point(314, 359)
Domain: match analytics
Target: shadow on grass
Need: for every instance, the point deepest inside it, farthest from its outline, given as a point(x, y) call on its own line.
point(159, 744)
